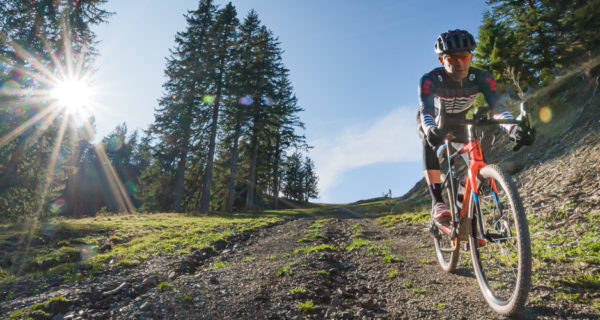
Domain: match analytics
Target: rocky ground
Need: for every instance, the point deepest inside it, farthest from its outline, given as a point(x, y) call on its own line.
point(389, 273)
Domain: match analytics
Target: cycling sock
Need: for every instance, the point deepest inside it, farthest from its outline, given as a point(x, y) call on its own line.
point(435, 189)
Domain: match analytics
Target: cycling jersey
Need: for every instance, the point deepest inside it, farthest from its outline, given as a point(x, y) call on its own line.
point(437, 90)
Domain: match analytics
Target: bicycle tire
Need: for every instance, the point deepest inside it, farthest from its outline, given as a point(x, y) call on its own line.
point(446, 253)
point(494, 267)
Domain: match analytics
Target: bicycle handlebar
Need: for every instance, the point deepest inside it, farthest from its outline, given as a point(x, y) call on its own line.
point(481, 119)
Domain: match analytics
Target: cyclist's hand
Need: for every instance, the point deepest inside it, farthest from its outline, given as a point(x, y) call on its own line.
point(435, 137)
point(522, 135)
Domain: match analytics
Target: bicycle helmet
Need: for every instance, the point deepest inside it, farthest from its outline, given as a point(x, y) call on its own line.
point(454, 41)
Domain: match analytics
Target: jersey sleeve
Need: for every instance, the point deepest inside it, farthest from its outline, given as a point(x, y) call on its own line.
point(487, 84)
point(426, 103)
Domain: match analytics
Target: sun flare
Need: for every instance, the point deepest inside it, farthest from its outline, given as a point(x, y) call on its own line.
point(75, 95)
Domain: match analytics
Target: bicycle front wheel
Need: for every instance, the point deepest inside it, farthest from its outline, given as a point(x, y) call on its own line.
point(502, 255)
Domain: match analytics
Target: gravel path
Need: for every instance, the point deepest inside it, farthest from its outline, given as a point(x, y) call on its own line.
point(267, 274)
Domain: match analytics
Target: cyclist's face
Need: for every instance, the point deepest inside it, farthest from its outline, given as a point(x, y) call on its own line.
point(457, 64)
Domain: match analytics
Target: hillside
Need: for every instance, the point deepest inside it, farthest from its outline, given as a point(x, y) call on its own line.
point(367, 260)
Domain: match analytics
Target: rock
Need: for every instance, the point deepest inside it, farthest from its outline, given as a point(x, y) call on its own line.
point(213, 280)
point(58, 316)
point(369, 304)
point(220, 244)
point(116, 290)
point(336, 302)
point(70, 315)
point(226, 251)
point(172, 275)
point(145, 306)
point(150, 282)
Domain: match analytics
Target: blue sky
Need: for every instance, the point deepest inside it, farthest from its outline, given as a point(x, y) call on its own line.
point(355, 67)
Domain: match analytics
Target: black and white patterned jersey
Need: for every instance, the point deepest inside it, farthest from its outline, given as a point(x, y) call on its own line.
point(437, 90)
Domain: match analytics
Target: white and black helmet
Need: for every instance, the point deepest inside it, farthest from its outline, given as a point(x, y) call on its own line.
point(454, 41)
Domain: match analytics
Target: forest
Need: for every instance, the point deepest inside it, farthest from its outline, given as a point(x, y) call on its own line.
point(226, 136)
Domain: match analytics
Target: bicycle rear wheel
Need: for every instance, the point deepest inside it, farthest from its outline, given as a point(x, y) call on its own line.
point(502, 260)
point(446, 249)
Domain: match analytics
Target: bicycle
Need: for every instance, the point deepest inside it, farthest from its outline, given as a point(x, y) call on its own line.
point(490, 218)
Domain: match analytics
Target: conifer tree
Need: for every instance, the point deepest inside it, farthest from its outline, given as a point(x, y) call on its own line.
point(182, 109)
point(223, 35)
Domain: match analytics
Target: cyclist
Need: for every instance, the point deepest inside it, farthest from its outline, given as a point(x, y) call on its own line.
point(454, 88)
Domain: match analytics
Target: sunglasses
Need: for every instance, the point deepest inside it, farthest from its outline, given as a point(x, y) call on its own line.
point(456, 58)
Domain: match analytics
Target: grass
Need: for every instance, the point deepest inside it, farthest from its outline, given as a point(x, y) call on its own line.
point(358, 243)
point(71, 247)
point(43, 310)
point(307, 306)
point(249, 258)
point(297, 291)
point(217, 265)
point(406, 218)
point(284, 271)
point(322, 247)
point(324, 273)
point(164, 287)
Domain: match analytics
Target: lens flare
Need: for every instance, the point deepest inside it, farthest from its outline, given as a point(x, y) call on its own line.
point(10, 88)
point(115, 143)
point(57, 206)
point(545, 114)
point(208, 99)
point(267, 101)
point(87, 252)
point(246, 101)
point(130, 186)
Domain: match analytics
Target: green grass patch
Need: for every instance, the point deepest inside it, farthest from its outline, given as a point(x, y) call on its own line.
point(43, 310)
point(307, 306)
point(324, 273)
point(406, 218)
point(164, 287)
point(297, 291)
point(249, 258)
point(322, 247)
point(73, 245)
point(217, 265)
point(358, 243)
point(390, 258)
point(284, 271)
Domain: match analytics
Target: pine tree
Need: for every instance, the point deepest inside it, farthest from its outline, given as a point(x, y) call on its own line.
point(294, 178)
point(223, 35)
point(310, 180)
point(182, 109)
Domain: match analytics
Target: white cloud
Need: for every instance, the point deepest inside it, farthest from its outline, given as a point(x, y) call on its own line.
point(392, 138)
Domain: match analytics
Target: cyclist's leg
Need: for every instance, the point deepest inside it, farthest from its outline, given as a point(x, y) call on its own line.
point(432, 174)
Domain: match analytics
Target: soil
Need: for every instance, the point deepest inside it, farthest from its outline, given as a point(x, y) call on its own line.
point(246, 277)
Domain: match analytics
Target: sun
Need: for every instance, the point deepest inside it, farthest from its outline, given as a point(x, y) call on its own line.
point(75, 95)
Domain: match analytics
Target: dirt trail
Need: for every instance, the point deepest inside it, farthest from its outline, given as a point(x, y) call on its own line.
point(393, 275)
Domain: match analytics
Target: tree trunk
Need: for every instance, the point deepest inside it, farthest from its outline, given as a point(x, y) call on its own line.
point(234, 159)
point(180, 173)
point(252, 175)
point(207, 180)
point(276, 177)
